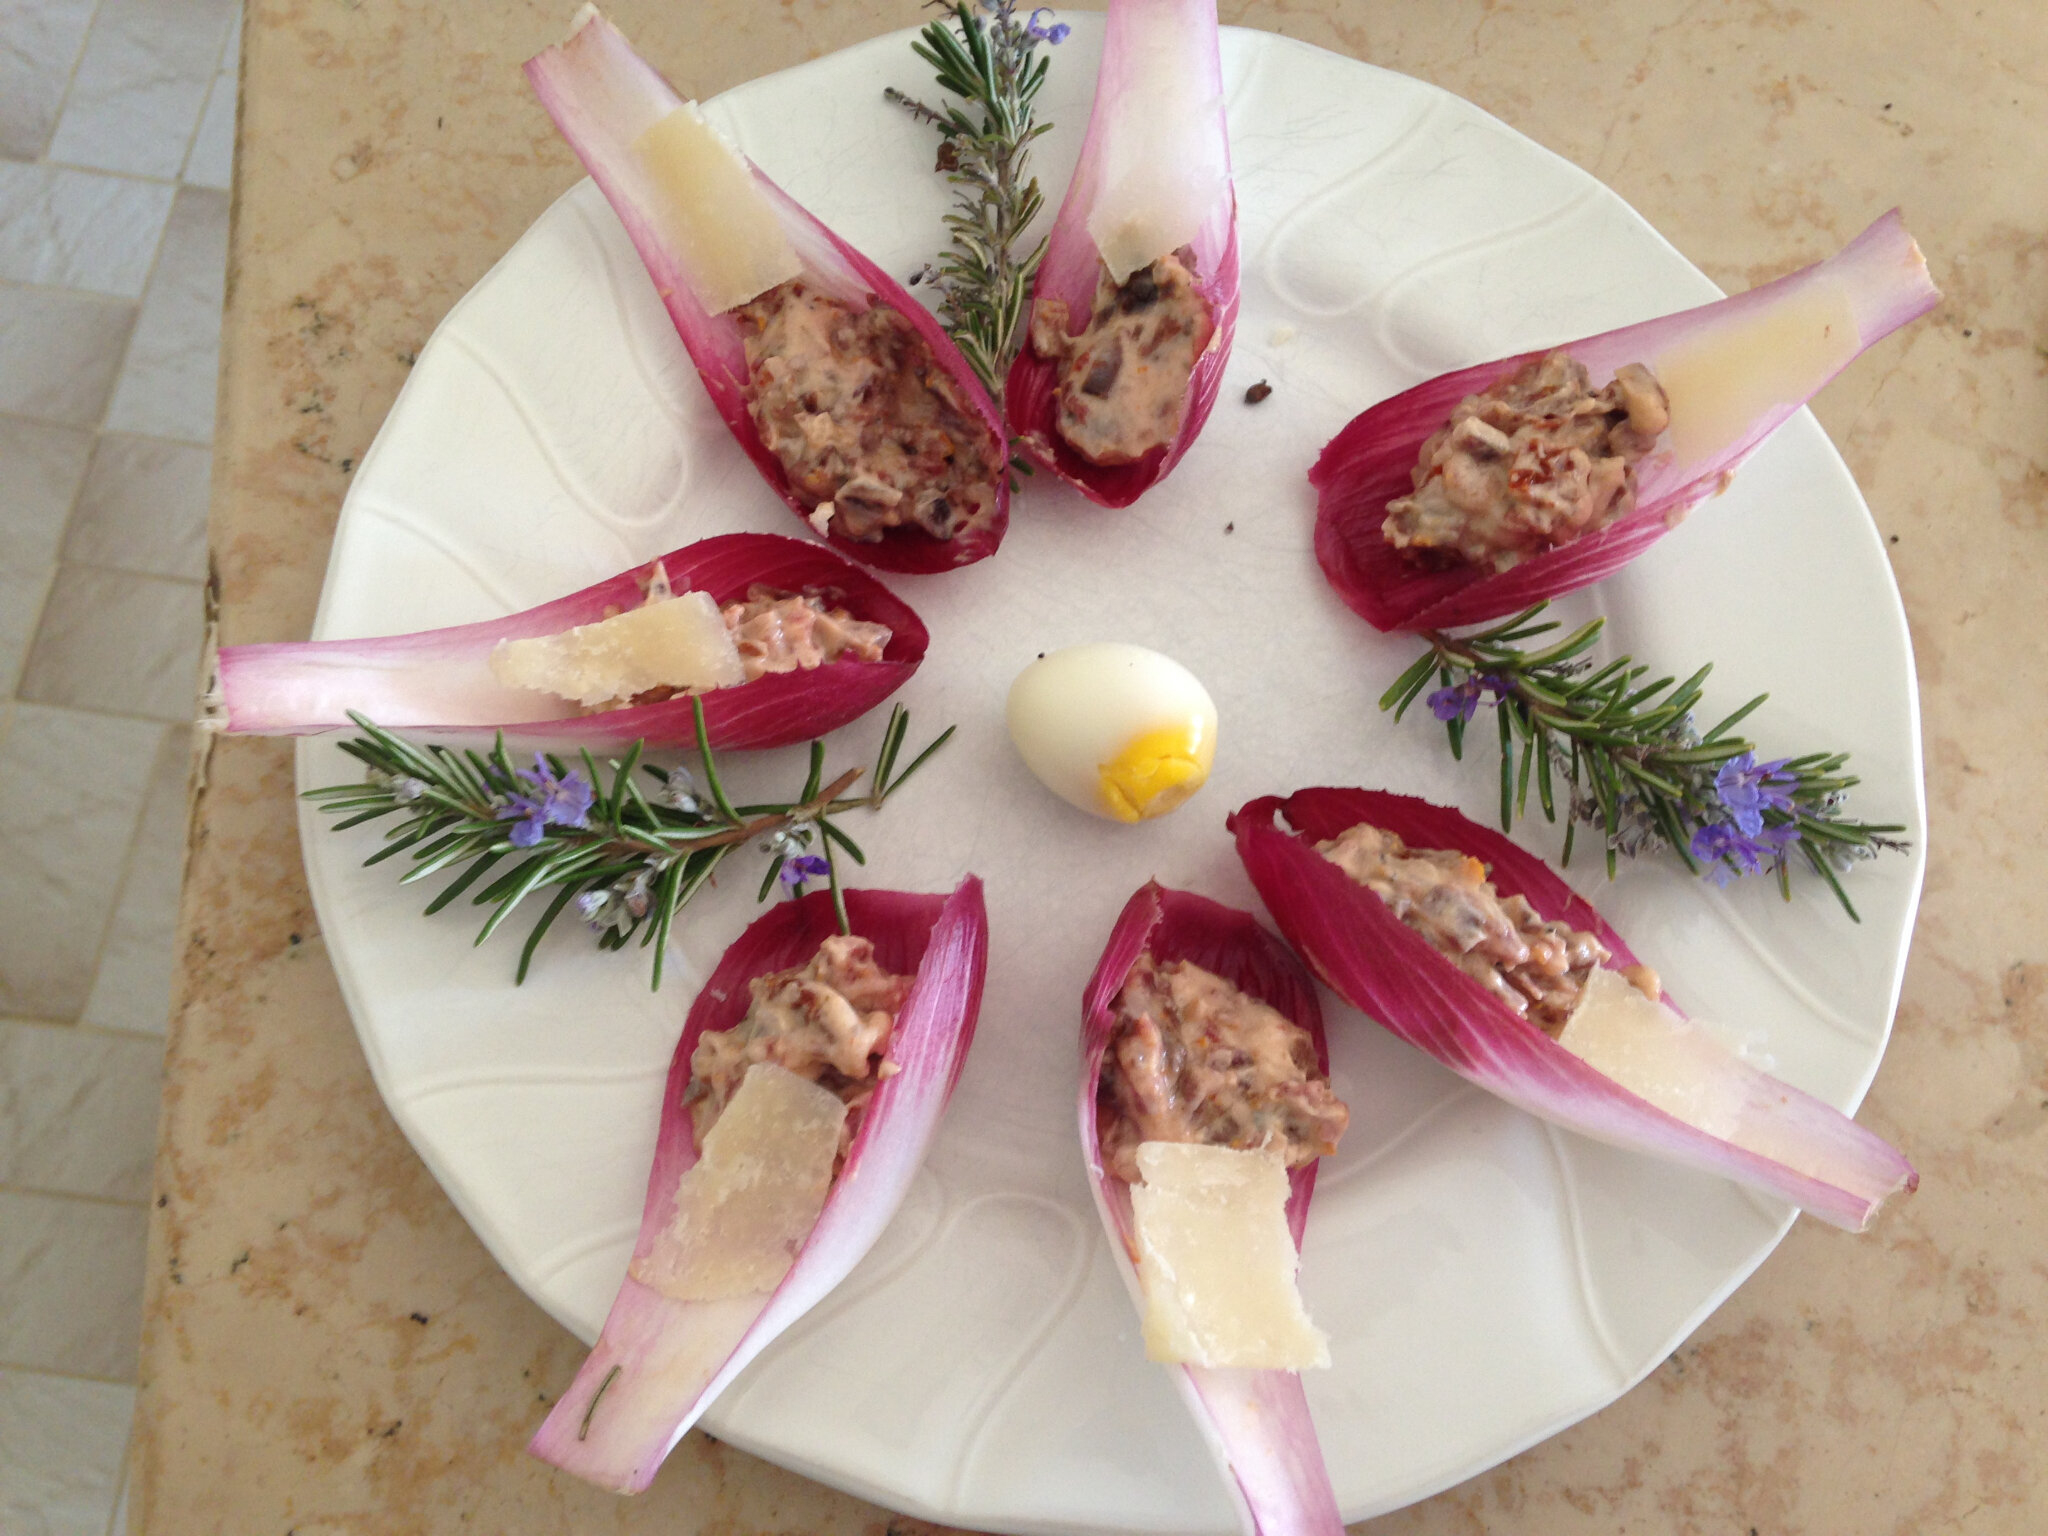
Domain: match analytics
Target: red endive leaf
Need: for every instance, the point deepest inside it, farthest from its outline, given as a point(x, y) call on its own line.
point(658, 1362)
point(1256, 1422)
point(1880, 280)
point(1125, 107)
point(603, 96)
point(440, 680)
point(1380, 965)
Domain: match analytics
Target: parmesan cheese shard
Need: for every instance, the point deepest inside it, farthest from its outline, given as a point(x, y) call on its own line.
point(745, 1208)
point(724, 231)
point(1216, 1263)
point(1164, 164)
point(678, 642)
point(1655, 1055)
point(1687, 1070)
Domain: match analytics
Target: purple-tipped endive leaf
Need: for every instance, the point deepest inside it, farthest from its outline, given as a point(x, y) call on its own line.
point(440, 680)
point(659, 1362)
point(1256, 1422)
point(604, 97)
point(1153, 179)
point(1822, 1161)
point(1734, 369)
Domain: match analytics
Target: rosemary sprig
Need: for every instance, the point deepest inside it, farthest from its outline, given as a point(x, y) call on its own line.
point(628, 856)
point(987, 57)
point(1634, 766)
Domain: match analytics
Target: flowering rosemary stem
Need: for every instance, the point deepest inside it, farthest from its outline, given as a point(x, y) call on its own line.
point(986, 57)
point(629, 858)
point(1635, 768)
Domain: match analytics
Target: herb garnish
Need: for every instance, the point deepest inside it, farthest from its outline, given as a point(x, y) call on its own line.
point(991, 64)
point(629, 859)
point(1634, 766)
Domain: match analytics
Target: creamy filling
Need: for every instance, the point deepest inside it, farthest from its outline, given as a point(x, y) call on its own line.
point(1537, 968)
point(784, 632)
point(872, 431)
point(1535, 462)
point(1123, 381)
point(1194, 1059)
point(827, 1021)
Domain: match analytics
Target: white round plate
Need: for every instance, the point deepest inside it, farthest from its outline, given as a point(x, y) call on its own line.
point(1485, 1280)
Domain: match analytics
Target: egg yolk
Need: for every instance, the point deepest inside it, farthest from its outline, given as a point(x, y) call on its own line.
point(1157, 771)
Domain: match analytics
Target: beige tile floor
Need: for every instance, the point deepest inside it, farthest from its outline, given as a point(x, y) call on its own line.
point(116, 143)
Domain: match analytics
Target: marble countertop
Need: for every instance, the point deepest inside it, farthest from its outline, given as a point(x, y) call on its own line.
point(328, 1349)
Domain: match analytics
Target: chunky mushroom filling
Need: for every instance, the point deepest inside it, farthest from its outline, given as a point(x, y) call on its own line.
point(1123, 381)
point(872, 431)
point(1538, 460)
point(1194, 1059)
point(1537, 968)
point(827, 1020)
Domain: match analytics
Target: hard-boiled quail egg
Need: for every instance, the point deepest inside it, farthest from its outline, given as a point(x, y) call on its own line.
point(1117, 730)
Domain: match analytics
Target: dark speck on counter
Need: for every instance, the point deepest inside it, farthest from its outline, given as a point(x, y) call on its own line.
point(1257, 392)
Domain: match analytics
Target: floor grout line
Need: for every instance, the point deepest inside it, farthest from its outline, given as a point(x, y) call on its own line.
point(146, 437)
point(99, 295)
point(114, 1521)
point(173, 182)
point(80, 1026)
point(115, 714)
point(128, 862)
point(71, 78)
point(85, 1376)
point(103, 431)
point(141, 178)
point(122, 570)
point(107, 1201)
point(74, 1026)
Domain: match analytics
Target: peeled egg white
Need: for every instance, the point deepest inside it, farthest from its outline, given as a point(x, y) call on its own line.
point(1118, 730)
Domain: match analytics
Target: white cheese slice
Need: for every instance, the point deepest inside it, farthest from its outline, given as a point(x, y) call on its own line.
point(744, 1209)
point(1683, 1068)
point(1719, 380)
point(1216, 1263)
point(1165, 160)
point(708, 206)
point(673, 642)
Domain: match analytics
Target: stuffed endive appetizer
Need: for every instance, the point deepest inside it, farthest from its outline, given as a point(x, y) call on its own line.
point(803, 1095)
point(1205, 1102)
point(1470, 949)
point(847, 395)
point(781, 639)
point(1135, 302)
point(1475, 494)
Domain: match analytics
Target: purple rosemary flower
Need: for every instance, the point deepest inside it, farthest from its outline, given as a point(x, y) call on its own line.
point(1054, 33)
point(1720, 845)
point(805, 866)
point(1749, 788)
point(563, 802)
point(1461, 701)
